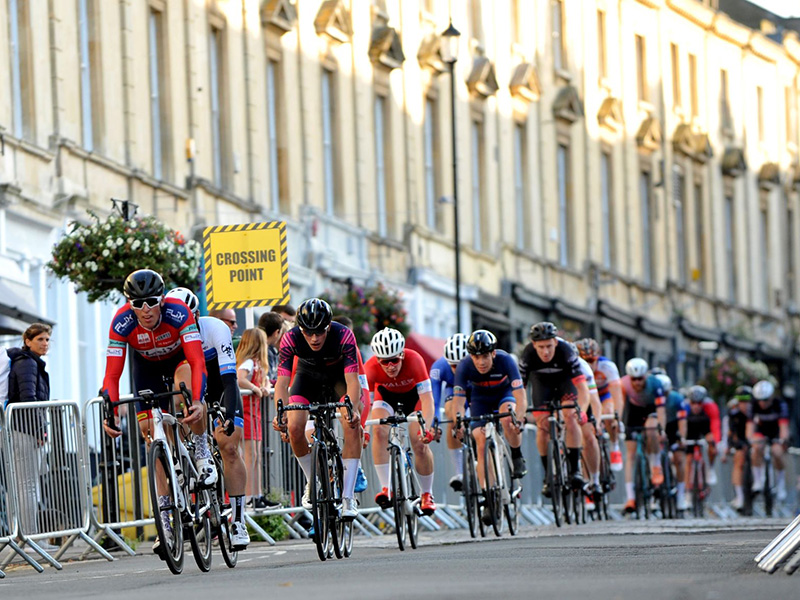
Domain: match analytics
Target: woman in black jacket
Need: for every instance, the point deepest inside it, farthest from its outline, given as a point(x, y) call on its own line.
point(28, 381)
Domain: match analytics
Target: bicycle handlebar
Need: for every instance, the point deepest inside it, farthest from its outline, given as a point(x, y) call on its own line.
point(552, 407)
point(399, 419)
point(316, 408)
point(145, 396)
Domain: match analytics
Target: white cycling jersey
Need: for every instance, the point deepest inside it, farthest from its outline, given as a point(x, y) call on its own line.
point(588, 374)
point(217, 343)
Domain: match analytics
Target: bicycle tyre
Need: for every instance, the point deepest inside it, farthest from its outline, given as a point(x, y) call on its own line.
point(336, 470)
point(320, 500)
point(398, 499)
point(199, 527)
point(470, 487)
point(769, 498)
point(492, 493)
point(511, 507)
point(666, 498)
point(221, 515)
point(566, 486)
point(171, 544)
point(554, 480)
point(639, 488)
point(699, 488)
point(412, 516)
point(747, 484)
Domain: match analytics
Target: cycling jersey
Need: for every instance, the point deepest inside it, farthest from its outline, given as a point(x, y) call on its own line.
point(163, 347)
point(737, 427)
point(401, 392)
point(442, 378)
point(677, 407)
point(651, 395)
point(698, 425)
point(221, 366)
point(487, 392)
point(768, 419)
point(588, 374)
point(555, 380)
point(605, 372)
point(712, 410)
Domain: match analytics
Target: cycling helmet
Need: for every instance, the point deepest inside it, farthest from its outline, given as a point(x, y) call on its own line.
point(186, 296)
point(387, 343)
point(636, 367)
point(574, 348)
point(588, 348)
point(143, 283)
point(543, 331)
point(456, 348)
point(743, 393)
point(657, 371)
point(763, 390)
point(697, 393)
point(314, 315)
point(666, 382)
point(481, 341)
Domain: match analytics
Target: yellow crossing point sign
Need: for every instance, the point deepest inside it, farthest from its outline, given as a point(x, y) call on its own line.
point(246, 265)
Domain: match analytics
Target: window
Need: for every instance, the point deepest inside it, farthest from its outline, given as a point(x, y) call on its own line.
point(730, 251)
point(791, 115)
point(476, 20)
point(641, 69)
point(760, 112)
point(88, 52)
point(559, 49)
point(433, 209)
point(276, 147)
point(381, 179)
point(520, 186)
point(479, 225)
point(607, 223)
point(724, 101)
point(676, 75)
point(328, 142)
point(564, 209)
point(648, 256)
point(516, 21)
point(680, 225)
point(602, 58)
point(699, 242)
point(216, 89)
point(693, 86)
point(22, 92)
point(765, 262)
point(159, 125)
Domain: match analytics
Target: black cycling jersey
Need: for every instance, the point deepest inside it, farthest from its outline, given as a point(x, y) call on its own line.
point(564, 366)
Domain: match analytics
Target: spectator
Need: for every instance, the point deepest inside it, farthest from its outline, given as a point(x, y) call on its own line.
point(227, 316)
point(251, 370)
point(272, 325)
point(286, 311)
point(28, 381)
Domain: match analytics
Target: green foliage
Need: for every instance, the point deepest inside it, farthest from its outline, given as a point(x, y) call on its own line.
point(727, 373)
point(274, 525)
point(97, 257)
point(371, 309)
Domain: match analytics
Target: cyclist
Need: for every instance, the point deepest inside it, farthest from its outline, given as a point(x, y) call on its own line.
point(555, 373)
point(326, 354)
point(677, 409)
point(698, 426)
point(399, 382)
point(771, 424)
point(589, 429)
point(222, 383)
point(166, 345)
point(442, 380)
point(490, 379)
point(736, 427)
point(643, 395)
point(609, 388)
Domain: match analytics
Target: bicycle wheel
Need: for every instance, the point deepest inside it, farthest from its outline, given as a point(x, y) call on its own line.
point(470, 490)
point(198, 526)
point(412, 516)
point(747, 484)
point(667, 498)
point(769, 498)
point(566, 487)
point(698, 483)
point(398, 499)
point(337, 523)
point(492, 494)
point(513, 491)
point(320, 500)
point(554, 481)
point(639, 483)
point(167, 517)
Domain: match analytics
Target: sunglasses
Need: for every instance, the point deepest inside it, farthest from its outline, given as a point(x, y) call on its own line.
point(390, 361)
point(312, 332)
point(230, 321)
point(151, 302)
point(637, 378)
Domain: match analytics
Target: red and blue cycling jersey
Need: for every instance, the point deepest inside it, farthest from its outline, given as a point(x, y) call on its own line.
point(496, 384)
point(175, 333)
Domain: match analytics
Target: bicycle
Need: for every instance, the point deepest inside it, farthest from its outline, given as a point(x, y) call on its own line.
point(332, 534)
point(697, 476)
point(222, 512)
point(608, 481)
point(188, 508)
point(769, 474)
point(642, 484)
point(469, 487)
point(667, 492)
point(557, 477)
point(404, 482)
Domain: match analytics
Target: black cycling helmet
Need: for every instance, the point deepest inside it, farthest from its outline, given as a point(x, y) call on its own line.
point(743, 393)
point(543, 331)
point(143, 283)
point(481, 341)
point(314, 315)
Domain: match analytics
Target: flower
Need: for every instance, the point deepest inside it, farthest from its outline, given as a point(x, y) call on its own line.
point(98, 256)
point(371, 309)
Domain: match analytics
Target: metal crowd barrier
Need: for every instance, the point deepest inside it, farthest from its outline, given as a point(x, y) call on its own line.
point(47, 473)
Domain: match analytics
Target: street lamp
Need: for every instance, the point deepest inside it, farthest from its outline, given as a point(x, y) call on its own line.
point(449, 50)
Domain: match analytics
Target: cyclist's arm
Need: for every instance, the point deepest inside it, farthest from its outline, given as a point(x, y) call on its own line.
point(193, 350)
point(583, 392)
point(683, 428)
point(426, 400)
point(436, 390)
point(230, 391)
point(749, 430)
point(354, 391)
point(615, 389)
point(521, 402)
point(281, 391)
point(597, 406)
point(115, 364)
point(712, 410)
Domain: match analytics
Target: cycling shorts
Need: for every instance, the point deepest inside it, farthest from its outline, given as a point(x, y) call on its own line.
point(672, 433)
point(308, 384)
point(394, 402)
point(562, 393)
point(635, 416)
point(153, 375)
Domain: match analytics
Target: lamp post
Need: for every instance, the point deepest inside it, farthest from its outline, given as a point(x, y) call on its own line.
point(449, 49)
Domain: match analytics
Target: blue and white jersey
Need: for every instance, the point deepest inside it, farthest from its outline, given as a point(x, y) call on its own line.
point(442, 381)
point(217, 344)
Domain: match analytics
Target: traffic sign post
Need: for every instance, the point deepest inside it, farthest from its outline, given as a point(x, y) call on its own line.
point(246, 265)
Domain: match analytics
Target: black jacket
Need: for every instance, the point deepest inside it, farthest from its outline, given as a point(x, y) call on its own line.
point(28, 381)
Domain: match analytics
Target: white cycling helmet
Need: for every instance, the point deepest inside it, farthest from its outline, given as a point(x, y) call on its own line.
point(387, 343)
point(763, 390)
point(455, 348)
point(636, 367)
point(666, 382)
point(186, 296)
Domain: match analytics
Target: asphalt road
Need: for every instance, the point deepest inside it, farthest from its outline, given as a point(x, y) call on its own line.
point(649, 561)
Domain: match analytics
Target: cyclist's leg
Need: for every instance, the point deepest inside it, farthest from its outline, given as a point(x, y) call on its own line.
point(478, 407)
point(540, 396)
point(780, 472)
point(758, 461)
point(454, 448)
point(379, 438)
point(737, 477)
point(635, 417)
point(591, 452)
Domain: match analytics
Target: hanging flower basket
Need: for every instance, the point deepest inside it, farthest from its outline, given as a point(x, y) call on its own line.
point(97, 257)
point(371, 309)
point(727, 373)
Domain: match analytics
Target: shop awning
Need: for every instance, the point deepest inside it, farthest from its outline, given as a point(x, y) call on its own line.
point(429, 347)
point(17, 307)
